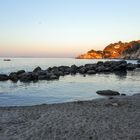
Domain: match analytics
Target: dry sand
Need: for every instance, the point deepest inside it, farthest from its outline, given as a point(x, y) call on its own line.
point(102, 119)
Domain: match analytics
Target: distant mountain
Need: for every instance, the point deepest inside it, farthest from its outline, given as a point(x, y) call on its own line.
point(127, 50)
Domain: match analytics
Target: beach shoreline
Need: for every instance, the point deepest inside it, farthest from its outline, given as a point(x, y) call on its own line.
point(108, 119)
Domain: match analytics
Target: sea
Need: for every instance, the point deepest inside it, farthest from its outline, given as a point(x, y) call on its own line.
point(66, 89)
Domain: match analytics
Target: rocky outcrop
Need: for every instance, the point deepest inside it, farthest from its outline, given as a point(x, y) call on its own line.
point(133, 52)
point(126, 50)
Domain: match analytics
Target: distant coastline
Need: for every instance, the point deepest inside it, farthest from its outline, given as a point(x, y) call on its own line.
point(120, 50)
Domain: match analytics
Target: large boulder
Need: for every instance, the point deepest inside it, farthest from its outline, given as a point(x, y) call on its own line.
point(100, 63)
point(57, 72)
point(13, 76)
point(108, 92)
point(20, 72)
point(3, 77)
point(119, 66)
point(91, 72)
point(82, 70)
point(100, 68)
point(37, 69)
point(90, 66)
point(73, 69)
point(26, 77)
point(63, 68)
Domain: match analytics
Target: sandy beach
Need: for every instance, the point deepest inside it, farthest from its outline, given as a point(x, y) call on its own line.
point(101, 119)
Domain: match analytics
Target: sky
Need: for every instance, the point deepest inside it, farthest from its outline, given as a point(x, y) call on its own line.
point(65, 28)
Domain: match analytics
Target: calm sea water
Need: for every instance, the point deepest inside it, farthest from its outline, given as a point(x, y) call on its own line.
point(66, 89)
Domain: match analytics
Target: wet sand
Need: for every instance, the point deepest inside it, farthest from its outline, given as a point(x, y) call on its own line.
point(101, 119)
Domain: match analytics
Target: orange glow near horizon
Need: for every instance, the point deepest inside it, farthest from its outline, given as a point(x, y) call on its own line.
point(44, 49)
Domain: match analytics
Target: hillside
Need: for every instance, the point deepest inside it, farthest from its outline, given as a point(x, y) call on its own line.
point(127, 50)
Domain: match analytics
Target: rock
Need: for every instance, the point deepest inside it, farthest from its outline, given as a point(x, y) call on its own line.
point(82, 70)
point(60, 73)
point(108, 69)
point(66, 73)
point(90, 66)
point(41, 72)
point(100, 63)
point(138, 65)
point(26, 77)
point(91, 72)
point(53, 77)
point(100, 68)
point(13, 76)
point(108, 63)
point(120, 66)
point(7, 60)
point(34, 76)
point(65, 70)
point(37, 69)
point(108, 92)
point(131, 66)
point(42, 77)
point(123, 94)
point(57, 72)
point(49, 69)
point(3, 77)
point(20, 72)
point(73, 69)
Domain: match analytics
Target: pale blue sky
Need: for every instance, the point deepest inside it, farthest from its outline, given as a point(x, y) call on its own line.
point(65, 27)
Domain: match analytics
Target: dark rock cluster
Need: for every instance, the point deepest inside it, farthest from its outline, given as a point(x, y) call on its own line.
point(53, 73)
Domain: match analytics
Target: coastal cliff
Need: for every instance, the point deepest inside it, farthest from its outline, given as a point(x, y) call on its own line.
point(127, 50)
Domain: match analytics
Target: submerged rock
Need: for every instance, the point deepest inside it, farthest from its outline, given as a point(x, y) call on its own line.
point(108, 92)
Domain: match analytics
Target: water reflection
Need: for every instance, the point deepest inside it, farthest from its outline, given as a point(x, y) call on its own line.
point(121, 75)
